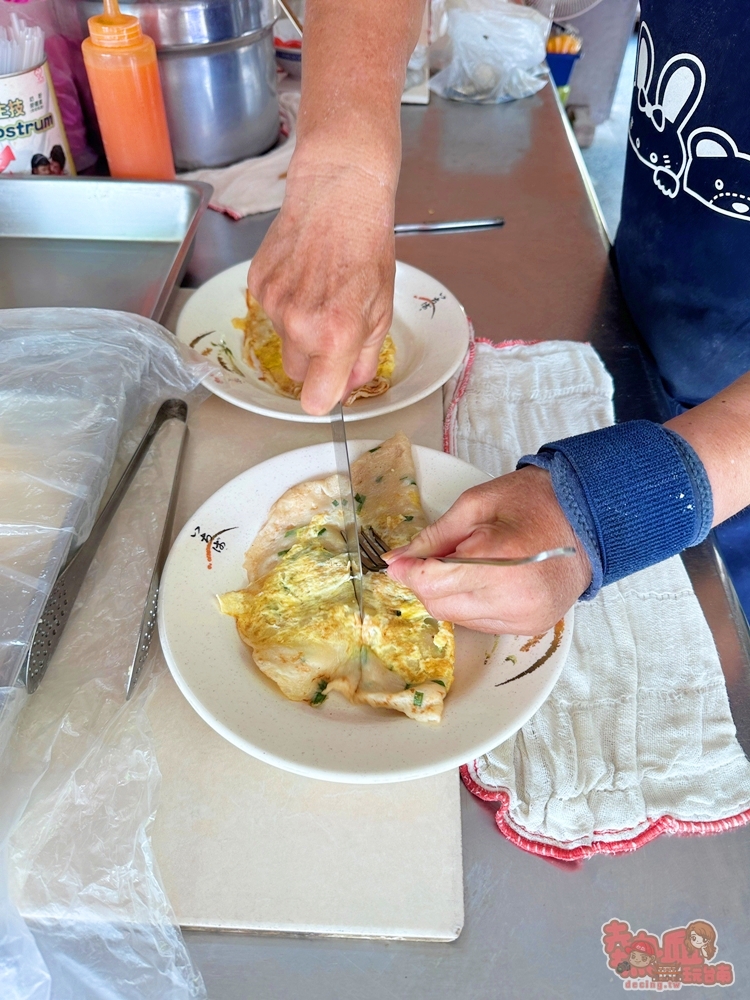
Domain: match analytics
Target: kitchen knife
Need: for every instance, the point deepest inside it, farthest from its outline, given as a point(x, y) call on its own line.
point(348, 500)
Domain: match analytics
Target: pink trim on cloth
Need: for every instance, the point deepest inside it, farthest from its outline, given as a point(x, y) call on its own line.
point(666, 825)
point(218, 207)
point(463, 380)
point(461, 385)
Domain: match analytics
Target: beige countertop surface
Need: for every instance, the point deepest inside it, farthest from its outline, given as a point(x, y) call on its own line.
point(532, 928)
point(242, 845)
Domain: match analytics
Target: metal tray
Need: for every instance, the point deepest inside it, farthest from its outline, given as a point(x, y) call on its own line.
point(95, 242)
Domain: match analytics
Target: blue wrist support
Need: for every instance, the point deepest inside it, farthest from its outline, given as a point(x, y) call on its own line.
point(634, 493)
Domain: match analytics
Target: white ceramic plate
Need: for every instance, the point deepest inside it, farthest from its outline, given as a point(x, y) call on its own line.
point(430, 331)
point(335, 741)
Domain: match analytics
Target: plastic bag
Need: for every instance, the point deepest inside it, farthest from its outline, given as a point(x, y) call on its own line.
point(79, 778)
point(71, 382)
point(497, 53)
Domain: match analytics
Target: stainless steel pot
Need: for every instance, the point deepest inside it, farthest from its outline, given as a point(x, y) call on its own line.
point(218, 74)
point(221, 100)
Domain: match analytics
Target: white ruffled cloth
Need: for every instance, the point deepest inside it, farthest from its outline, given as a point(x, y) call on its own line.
point(637, 738)
point(258, 184)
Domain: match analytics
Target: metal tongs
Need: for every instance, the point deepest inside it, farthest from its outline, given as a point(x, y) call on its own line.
point(63, 595)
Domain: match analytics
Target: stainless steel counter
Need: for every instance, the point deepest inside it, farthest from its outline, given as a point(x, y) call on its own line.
point(533, 928)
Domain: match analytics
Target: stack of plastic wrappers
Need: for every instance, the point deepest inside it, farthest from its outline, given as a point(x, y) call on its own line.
point(79, 779)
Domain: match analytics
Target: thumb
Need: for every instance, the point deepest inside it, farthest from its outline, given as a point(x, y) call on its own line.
point(441, 537)
point(497, 539)
point(325, 383)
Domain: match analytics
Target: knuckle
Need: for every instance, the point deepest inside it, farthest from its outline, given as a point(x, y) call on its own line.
point(296, 320)
point(343, 337)
point(410, 572)
point(470, 504)
point(270, 297)
point(434, 580)
point(428, 534)
point(295, 363)
point(436, 609)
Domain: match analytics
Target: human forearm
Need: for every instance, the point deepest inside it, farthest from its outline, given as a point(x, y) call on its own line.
point(325, 271)
point(353, 73)
point(634, 494)
point(719, 432)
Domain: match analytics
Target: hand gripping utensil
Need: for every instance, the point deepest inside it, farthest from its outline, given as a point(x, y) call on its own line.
point(63, 595)
point(373, 549)
point(348, 500)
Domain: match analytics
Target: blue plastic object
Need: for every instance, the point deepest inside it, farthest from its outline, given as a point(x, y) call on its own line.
point(561, 66)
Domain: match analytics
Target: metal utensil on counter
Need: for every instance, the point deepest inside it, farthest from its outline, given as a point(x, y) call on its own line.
point(63, 595)
point(454, 226)
point(96, 242)
point(348, 500)
point(218, 74)
point(148, 621)
point(289, 13)
point(373, 548)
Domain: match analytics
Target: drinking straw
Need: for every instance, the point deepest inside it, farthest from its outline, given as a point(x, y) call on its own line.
point(21, 46)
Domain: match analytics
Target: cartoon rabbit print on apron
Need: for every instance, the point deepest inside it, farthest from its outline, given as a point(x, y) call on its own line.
point(707, 165)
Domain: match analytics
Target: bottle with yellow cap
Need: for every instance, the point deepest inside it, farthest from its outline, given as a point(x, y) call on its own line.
point(124, 76)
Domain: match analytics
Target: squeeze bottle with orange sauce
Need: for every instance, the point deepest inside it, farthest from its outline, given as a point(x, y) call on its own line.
point(124, 76)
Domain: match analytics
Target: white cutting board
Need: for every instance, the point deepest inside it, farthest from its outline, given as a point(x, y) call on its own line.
point(242, 845)
point(245, 846)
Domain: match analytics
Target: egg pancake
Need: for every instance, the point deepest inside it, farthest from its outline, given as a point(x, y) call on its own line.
point(299, 615)
point(261, 350)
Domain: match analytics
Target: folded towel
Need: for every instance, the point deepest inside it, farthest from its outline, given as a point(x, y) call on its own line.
point(637, 738)
point(258, 184)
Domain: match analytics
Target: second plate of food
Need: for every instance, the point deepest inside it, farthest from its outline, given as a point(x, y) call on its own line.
point(430, 334)
point(499, 682)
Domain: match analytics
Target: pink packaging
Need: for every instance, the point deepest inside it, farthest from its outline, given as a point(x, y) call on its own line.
point(61, 59)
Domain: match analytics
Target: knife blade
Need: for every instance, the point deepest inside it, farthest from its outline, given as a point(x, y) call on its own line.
point(348, 500)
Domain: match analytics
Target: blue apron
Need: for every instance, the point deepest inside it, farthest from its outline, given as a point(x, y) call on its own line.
point(683, 246)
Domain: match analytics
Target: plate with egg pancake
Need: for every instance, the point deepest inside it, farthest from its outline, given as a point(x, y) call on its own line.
point(426, 344)
point(263, 550)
